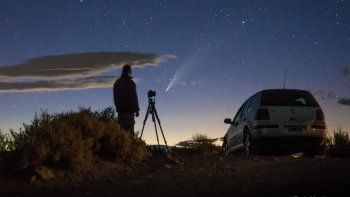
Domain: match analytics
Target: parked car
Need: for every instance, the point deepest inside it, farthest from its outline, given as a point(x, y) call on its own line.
point(277, 120)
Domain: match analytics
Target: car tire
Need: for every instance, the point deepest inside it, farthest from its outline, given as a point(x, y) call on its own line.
point(224, 146)
point(250, 147)
point(311, 152)
point(323, 150)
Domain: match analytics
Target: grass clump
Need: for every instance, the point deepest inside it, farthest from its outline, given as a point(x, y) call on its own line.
point(6, 142)
point(72, 140)
point(203, 144)
point(340, 144)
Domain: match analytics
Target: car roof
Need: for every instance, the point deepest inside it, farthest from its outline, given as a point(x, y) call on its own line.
point(284, 90)
point(267, 90)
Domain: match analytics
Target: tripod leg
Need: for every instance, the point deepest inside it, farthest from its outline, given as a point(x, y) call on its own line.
point(144, 121)
point(155, 127)
point(160, 126)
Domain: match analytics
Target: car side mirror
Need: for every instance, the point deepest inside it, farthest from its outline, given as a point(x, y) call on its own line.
point(228, 121)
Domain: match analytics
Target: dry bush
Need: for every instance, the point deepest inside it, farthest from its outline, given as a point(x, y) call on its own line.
point(6, 142)
point(340, 144)
point(72, 140)
point(2, 142)
point(53, 141)
point(123, 146)
point(203, 144)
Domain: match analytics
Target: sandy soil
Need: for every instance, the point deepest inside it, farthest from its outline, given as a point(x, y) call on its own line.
point(193, 175)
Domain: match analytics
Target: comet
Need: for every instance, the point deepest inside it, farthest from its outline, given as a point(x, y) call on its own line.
point(171, 84)
point(186, 68)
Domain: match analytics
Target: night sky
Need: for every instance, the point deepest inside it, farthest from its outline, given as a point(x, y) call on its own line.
point(225, 52)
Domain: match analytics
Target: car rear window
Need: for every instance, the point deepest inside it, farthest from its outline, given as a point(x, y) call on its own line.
point(288, 98)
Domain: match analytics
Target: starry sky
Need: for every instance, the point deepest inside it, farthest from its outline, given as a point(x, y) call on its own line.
point(219, 54)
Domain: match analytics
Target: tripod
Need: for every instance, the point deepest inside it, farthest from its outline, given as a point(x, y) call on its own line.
point(151, 109)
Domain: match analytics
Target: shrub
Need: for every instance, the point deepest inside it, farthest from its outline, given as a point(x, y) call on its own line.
point(121, 145)
point(2, 142)
point(55, 141)
point(6, 142)
point(340, 144)
point(106, 114)
point(203, 144)
point(72, 140)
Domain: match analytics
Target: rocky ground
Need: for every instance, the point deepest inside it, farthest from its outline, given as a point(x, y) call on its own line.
point(192, 175)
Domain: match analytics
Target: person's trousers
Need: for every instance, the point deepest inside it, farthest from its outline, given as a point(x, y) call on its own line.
point(126, 121)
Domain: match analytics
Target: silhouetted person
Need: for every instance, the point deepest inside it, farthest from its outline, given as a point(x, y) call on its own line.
point(125, 100)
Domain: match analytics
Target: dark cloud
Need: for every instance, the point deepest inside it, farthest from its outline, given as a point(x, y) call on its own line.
point(345, 72)
point(344, 101)
point(325, 95)
point(67, 84)
point(319, 92)
point(77, 65)
point(331, 95)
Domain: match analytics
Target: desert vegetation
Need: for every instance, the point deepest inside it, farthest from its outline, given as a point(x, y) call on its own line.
point(92, 145)
point(72, 140)
point(339, 144)
point(203, 144)
point(199, 144)
point(6, 142)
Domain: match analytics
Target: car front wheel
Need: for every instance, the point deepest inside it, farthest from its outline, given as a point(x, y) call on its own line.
point(247, 146)
point(311, 152)
point(224, 147)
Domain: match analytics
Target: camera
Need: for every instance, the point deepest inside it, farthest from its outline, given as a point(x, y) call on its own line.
point(151, 94)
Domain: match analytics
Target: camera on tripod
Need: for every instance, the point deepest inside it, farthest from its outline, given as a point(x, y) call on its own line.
point(151, 94)
point(152, 111)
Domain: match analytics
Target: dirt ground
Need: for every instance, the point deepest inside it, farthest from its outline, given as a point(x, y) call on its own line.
point(194, 175)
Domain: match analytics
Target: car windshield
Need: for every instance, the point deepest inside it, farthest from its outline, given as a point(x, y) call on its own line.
point(288, 98)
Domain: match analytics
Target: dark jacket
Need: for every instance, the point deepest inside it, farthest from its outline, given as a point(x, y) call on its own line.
point(125, 96)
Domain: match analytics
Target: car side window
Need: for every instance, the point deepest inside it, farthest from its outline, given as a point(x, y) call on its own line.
point(252, 107)
point(239, 113)
point(247, 108)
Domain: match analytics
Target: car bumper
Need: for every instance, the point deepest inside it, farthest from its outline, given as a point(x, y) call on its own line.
point(288, 144)
point(289, 131)
point(303, 141)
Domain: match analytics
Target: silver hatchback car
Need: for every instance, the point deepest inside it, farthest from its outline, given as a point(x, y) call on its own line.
point(279, 120)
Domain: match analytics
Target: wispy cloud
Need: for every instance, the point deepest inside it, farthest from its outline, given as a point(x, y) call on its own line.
point(71, 71)
point(67, 84)
point(78, 65)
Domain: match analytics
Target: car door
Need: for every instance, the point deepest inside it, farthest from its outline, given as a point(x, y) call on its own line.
point(233, 130)
point(242, 122)
point(251, 110)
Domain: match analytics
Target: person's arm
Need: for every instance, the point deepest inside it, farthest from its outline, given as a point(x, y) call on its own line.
point(115, 95)
point(135, 99)
point(137, 105)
